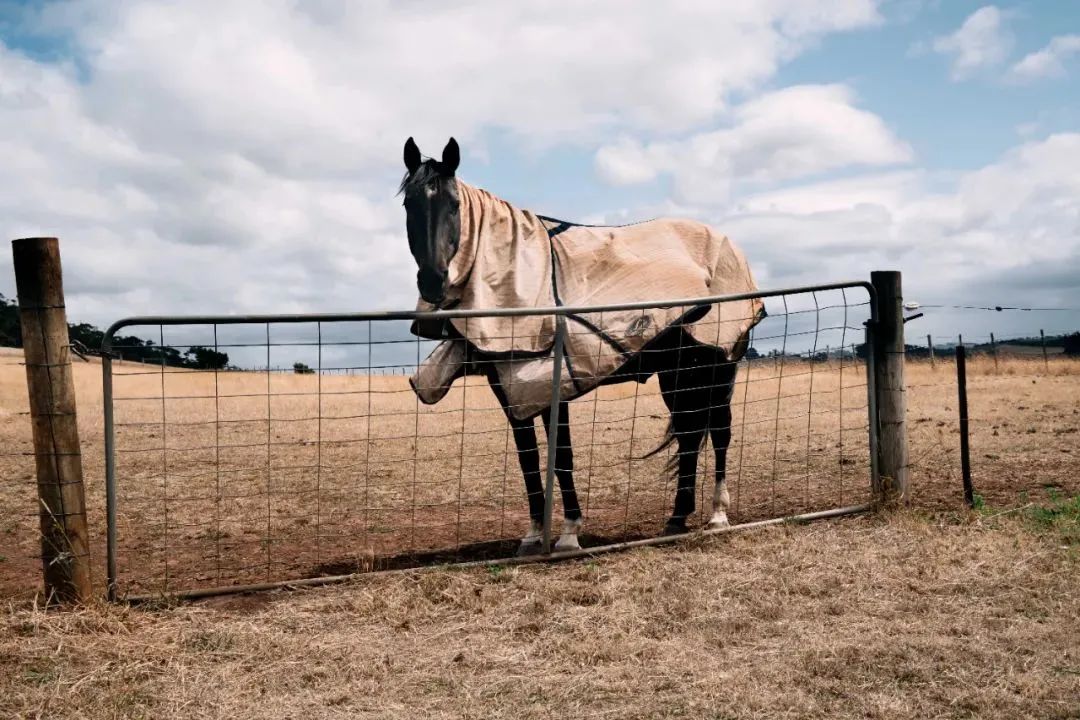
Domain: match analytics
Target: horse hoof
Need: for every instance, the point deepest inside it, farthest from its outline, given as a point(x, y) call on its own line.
point(529, 549)
point(674, 527)
point(717, 524)
point(561, 546)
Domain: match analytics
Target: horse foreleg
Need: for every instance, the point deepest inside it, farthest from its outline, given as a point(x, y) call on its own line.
point(529, 459)
point(564, 471)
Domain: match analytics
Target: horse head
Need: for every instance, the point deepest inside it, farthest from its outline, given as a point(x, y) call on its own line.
point(432, 216)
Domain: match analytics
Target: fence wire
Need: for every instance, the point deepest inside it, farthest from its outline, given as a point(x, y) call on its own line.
point(312, 455)
point(1023, 392)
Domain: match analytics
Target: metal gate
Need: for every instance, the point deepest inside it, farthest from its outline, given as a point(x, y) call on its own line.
point(304, 456)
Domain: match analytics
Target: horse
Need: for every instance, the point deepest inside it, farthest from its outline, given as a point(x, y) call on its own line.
point(696, 379)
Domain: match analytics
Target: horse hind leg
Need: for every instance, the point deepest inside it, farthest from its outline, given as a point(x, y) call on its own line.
point(687, 400)
point(720, 433)
point(689, 447)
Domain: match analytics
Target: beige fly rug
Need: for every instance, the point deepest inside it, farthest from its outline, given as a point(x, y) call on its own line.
point(512, 258)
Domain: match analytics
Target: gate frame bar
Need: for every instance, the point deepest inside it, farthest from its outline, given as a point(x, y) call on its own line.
point(559, 311)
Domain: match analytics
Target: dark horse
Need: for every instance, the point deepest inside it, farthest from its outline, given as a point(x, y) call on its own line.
point(696, 380)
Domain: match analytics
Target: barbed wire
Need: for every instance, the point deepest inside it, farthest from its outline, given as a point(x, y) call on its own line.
point(991, 308)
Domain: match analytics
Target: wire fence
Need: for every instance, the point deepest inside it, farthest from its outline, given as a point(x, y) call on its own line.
point(262, 474)
point(267, 471)
point(1023, 391)
point(20, 535)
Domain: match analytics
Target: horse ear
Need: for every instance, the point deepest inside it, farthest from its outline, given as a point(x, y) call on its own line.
point(451, 157)
point(412, 156)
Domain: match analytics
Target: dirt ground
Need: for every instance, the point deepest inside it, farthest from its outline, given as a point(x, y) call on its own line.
point(932, 611)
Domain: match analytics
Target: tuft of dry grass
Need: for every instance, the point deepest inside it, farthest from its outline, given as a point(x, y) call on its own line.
point(897, 616)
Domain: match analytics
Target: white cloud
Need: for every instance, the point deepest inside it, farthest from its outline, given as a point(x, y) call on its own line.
point(237, 156)
point(1007, 233)
point(981, 42)
point(1047, 62)
point(791, 133)
point(224, 158)
point(977, 236)
point(351, 74)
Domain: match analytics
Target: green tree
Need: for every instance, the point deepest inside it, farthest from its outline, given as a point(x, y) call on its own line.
point(205, 358)
point(10, 335)
point(1072, 344)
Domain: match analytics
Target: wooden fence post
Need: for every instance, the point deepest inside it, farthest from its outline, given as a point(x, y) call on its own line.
point(965, 449)
point(930, 347)
point(993, 349)
point(65, 552)
point(889, 384)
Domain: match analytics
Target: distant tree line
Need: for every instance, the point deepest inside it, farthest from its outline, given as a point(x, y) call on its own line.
point(1070, 343)
point(127, 347)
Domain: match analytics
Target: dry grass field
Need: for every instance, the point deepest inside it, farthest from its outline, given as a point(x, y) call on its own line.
point(927, 612)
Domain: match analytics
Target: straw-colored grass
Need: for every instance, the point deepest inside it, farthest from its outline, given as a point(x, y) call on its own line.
point(893, 617)
point(927, 612)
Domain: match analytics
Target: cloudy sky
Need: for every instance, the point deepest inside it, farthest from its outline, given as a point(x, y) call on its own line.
point(235, 157)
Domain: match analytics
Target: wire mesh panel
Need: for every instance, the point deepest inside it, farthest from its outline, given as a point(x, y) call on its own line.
point(799, 428)
point(306, 451)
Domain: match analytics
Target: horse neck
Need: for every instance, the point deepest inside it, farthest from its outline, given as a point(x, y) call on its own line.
point(480, 212)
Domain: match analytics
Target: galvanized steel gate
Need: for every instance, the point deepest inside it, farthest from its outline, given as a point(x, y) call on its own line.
point(221, 480)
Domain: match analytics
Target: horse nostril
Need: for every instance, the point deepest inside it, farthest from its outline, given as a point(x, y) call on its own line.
point(431, 283)
point(431, 277)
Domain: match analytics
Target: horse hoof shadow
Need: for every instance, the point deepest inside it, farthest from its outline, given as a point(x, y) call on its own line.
point(530, 549)
point(672, 528)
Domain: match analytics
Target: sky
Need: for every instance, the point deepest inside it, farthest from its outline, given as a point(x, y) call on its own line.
point(243, 157)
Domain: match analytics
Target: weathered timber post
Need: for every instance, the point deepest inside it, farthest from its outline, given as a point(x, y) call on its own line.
point(65, 552)
point(993, 349)
point(1042, 341)
point(930, 347)
point(889, 386)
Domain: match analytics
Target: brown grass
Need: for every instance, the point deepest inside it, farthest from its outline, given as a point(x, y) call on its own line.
point(894, 617)
point(930, 612)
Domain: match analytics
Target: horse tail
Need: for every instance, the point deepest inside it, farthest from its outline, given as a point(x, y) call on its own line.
point(670, 437)
point(671, 467)
point(668, 441)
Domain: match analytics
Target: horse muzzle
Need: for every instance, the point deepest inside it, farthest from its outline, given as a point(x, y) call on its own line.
point(432, 285)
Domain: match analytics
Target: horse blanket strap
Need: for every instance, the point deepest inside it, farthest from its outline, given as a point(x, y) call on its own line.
point(512, 258)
